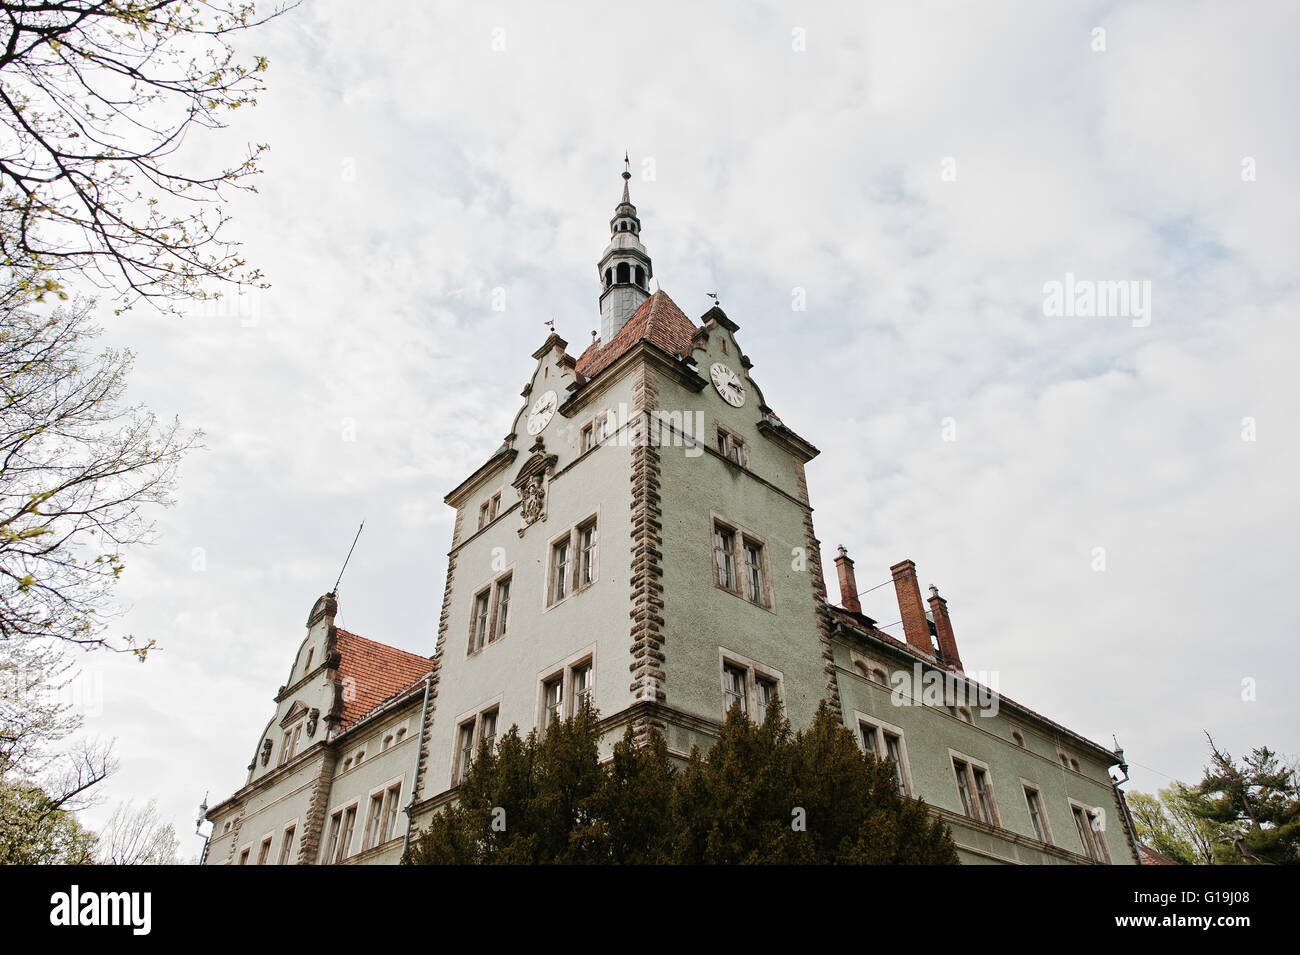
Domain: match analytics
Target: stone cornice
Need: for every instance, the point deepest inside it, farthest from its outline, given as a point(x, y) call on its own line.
point(497, 462)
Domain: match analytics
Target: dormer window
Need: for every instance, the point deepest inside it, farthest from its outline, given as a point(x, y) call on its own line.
point(290, 744)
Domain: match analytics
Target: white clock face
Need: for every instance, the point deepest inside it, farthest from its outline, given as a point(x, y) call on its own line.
point(540, 416)
point(728, 384)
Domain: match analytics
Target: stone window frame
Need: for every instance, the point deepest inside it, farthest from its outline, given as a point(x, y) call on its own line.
point(288, 835)
point(492, 591)
point(345, 838)
point(1026, 787)
point(489, 510)
point(563, 671)
point(1094, 847)
point(754, 671)
point(573, 585)
point(884, 729)
point(596, 431)
point(289, 741)
point(473, 716)
point(245, 853)
point(264, 848)
point(971, 764)
point(375, 825)
point(740, 535)
point(1068, 760)
point(726, 441)
point(872, 666)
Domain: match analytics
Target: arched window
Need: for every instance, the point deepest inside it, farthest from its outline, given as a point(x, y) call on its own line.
point(640, 276)
point(624, 272)
point(609, 277)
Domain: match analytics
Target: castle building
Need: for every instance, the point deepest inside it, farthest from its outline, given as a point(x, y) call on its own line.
point(643, 538)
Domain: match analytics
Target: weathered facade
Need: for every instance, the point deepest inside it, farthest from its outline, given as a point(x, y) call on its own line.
point(643, 537)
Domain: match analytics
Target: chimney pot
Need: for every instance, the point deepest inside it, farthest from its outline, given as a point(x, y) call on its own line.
point(848, 582)
point(915, 626)
point(943, 629)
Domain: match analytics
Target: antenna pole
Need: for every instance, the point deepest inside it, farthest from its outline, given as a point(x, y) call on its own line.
point(348, 558)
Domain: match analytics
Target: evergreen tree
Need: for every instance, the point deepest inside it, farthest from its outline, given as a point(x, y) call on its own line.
point(761, 794)
point(1258, 804)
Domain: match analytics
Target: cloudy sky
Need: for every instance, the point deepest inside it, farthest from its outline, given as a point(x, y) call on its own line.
point(1107, 502)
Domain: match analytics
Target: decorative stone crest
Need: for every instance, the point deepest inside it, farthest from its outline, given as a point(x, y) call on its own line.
point(532, 483)
point(266, 751)
point(312, 717)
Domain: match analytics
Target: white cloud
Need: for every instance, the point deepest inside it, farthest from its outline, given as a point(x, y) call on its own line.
point(414, 170)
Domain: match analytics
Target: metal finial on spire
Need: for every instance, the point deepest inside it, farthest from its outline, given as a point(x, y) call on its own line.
point(714, 296)
point(550, 323)
point(627, 166)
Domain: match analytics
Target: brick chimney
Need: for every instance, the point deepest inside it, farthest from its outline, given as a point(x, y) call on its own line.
point(943, 629)
point(915, 627)
point(848, 582)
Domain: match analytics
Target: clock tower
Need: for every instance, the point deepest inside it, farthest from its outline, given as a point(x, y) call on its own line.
point(642, 539)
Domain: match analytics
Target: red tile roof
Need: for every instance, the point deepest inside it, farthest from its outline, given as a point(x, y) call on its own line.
point(372, 672)
point(658, 320)
point(1154, 856)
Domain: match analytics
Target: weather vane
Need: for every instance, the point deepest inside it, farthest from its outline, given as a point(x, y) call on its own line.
point(714, 296)
point(551, 325)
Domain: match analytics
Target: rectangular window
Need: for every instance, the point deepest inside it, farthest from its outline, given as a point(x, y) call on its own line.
point(286, 848)
point(963, 788)
point(331, 847)
point(560, 565)
point(870, 739)
point(1036, 813)
point(582, 685)
point(886, 745)
point(894, 753)
point(243, 856)
point(345, 838)
point(465, 749)
point(731, 447)
point(724, 559)
point(483, 515)
point(390, 812)
point(603, 426)
point(588, 439)
point(1085, 835)
point(984, 792)
point(502, 613)
point(1099, 836)
point(264, 852)
point(374, 820)
point(552, 701)
point(494, 507)
point(1088, 824)
point(479, 622)
point(487, 729)
point(284, 749)
point(754, 572)
point(587, 554)
point(734, 687)
point(766, 693)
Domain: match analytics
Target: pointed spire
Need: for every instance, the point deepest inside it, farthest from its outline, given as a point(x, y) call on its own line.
point(624, 268)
